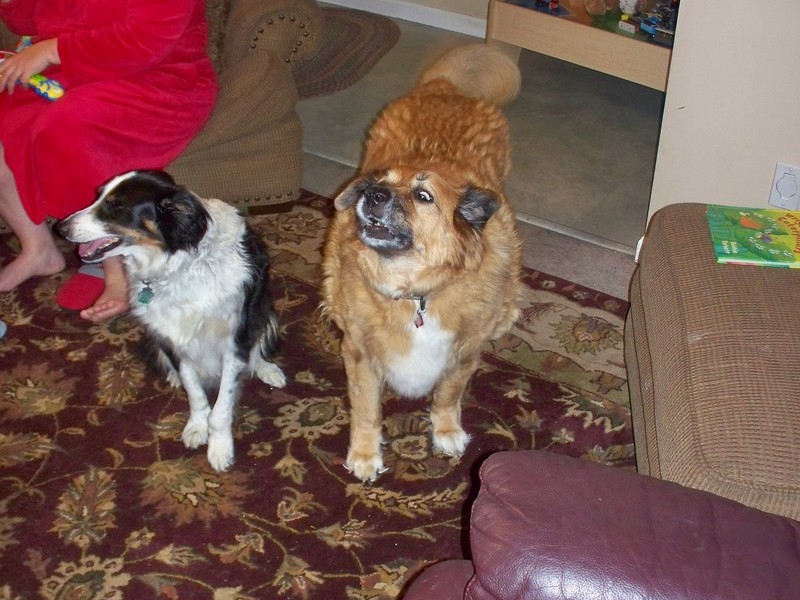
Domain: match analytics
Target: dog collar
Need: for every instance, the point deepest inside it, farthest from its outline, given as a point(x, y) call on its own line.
point(420, 302)
point(146, 294)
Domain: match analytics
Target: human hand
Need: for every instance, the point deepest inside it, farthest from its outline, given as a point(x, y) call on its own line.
point(19, 68)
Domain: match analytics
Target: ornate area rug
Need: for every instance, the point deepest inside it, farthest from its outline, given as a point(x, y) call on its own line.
point(355, 41)
point(100, 499)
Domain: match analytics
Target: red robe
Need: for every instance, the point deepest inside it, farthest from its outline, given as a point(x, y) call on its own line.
point(138, 86)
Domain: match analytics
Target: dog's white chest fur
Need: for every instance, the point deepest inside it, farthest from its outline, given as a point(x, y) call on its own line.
point(415, 374)
point(202, 340)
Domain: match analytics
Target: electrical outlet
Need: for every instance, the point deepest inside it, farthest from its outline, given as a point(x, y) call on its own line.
point(785, 191)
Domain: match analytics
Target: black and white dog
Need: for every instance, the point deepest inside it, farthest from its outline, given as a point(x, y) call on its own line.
point(199, 284)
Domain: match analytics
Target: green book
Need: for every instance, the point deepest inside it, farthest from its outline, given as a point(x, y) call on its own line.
point(755, 236)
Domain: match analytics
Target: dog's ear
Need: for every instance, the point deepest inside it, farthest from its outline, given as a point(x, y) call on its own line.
point(182, 220)
point(477, 206)
point(350, 195)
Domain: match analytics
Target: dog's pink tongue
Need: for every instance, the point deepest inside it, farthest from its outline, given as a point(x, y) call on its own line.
point(90, 248)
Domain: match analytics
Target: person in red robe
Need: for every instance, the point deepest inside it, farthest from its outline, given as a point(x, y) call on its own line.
point(138, 86)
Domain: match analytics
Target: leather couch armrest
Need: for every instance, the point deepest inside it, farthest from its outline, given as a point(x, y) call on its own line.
point(292, 29)
point(552, 527)
point(445, 580)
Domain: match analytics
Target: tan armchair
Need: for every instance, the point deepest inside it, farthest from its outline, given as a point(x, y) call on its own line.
point(250, 152)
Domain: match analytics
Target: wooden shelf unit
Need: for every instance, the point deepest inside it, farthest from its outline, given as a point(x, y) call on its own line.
point(614, 54)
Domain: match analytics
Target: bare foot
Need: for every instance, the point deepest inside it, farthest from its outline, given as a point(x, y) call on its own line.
point(114, 299)
point(103, 310)
point(31, 262)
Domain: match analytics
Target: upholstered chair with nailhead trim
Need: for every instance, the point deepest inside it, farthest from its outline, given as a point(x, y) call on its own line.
point(250, 153)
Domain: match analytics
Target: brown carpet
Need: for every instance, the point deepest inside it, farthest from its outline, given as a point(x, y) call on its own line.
point(354, 42)
point(99, 498)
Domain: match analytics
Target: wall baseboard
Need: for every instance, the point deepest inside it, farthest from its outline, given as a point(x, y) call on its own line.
point(417, 13)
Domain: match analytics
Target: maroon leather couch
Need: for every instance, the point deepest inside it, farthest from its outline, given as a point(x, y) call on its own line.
point(547, 527)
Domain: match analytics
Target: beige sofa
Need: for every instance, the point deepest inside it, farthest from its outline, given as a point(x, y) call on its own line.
point(713, 358)
point(250, 153)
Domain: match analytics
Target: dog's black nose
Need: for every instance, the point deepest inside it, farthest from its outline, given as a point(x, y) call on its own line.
point(377, 195)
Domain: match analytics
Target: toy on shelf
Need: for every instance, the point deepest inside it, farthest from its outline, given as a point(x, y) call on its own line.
point(47, 88)
point(654, 19)
point(552, 7)
point(628, 7)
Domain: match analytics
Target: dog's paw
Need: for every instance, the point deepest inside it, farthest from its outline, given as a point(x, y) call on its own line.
point(452, 441)
point(366, 467)
point(195, 434)
point(174, 379)
point(270, 374)
point(220, 452)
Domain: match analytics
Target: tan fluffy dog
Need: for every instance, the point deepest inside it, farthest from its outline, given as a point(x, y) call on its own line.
point(421, 264)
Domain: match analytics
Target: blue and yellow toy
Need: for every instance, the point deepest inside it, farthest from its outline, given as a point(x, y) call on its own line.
point(49, 89)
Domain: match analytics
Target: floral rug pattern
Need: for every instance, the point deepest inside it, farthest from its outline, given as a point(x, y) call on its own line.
point(100, 499)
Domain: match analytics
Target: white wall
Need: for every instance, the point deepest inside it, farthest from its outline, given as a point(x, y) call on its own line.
point(732, 107)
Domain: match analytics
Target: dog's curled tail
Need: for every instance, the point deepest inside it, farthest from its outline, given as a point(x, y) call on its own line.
point(479, 71)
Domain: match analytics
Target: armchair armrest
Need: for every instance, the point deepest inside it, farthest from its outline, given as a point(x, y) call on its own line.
point(292, 29)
